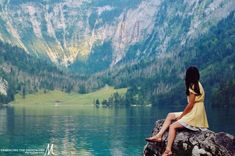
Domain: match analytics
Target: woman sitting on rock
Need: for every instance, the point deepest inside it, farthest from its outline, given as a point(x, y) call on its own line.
point(194, 115)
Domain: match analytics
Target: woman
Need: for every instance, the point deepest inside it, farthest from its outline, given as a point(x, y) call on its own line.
point(194, 115)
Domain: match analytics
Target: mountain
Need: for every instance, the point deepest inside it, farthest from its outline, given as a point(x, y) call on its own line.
point(65, 31)
point(144, 45)
point(160, 81)
point(90, 36)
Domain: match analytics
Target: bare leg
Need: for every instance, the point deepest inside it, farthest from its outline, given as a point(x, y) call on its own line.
point(170, 117)
point(166, 124)
point(171, 137)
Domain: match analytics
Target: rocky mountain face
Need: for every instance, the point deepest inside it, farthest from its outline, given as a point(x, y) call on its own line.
point(177, 24)
point(75, 33)
point(67, 30)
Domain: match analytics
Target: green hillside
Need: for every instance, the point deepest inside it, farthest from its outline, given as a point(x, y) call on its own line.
point(161, 82)
point(62, 98)
point(27, 74)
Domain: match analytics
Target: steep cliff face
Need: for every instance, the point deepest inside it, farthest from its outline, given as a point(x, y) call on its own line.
point(70, 31)
point(179, 23)
point(67, 30)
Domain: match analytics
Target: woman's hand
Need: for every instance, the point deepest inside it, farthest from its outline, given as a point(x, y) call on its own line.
point(189, 106)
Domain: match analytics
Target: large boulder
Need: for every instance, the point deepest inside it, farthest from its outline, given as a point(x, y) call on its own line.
point(191, 143)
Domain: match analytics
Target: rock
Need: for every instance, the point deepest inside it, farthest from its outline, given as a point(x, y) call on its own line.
point(3, 86)
point(191, 143)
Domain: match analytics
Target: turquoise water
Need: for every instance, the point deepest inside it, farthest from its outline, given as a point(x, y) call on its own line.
point(87, 130)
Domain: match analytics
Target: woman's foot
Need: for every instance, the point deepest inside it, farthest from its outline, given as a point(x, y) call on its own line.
point(167, 152)
point(155, 138)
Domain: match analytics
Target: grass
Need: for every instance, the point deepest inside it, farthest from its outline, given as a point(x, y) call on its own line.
point(61, 98)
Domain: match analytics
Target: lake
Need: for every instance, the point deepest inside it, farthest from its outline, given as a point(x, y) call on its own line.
point(85, 130)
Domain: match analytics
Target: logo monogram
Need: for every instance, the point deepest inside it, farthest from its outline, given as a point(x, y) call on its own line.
point(49, 150)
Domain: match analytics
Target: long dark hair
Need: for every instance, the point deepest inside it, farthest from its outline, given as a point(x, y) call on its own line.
point(191, 80)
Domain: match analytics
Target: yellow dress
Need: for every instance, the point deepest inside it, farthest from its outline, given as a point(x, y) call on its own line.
point(196, 118)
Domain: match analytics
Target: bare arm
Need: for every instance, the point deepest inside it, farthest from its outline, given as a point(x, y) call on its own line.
point(189, 106)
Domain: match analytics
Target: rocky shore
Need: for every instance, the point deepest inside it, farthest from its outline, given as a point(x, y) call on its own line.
point(190, 143)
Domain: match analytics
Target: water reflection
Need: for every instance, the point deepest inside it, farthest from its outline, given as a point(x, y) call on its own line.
point(88, 131)
point(3, 121)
